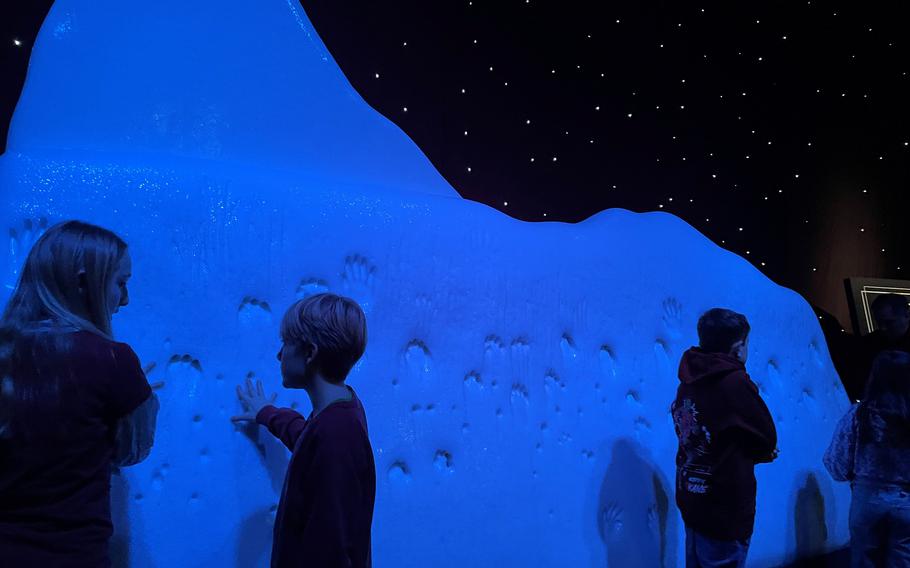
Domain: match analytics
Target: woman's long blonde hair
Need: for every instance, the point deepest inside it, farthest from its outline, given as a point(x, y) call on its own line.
point(65, 280)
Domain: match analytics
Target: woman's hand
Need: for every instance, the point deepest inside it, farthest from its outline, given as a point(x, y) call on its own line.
point(157, 385)
point(253, 399)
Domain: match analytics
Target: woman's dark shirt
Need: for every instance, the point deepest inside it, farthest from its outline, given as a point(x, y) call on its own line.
point(55, 458)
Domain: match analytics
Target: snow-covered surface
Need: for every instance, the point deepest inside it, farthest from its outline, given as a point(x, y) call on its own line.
point(518, 376)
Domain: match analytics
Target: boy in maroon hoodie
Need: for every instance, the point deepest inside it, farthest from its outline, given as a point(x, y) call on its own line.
point(326, 507)
point(724, 429)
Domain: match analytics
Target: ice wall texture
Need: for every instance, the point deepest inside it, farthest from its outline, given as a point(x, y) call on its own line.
point(518, 375)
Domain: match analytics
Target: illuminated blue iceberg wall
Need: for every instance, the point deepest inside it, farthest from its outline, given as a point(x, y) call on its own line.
point(518, 375)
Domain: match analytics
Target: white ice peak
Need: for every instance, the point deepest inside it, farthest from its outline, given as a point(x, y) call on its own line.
point(245, 81)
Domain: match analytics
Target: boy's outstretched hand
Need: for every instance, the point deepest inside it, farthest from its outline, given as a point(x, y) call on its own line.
point(253, 399)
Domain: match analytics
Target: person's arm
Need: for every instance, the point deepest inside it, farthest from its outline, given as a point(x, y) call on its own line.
point(284, 423)
point(135, 433)
point(752, 419)
point(131, 407)
point(839, 457)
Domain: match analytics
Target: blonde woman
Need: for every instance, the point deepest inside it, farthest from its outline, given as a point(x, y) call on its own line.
point(73, 402)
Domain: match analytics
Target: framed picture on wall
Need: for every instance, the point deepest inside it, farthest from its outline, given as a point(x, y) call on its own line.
point(861, 292)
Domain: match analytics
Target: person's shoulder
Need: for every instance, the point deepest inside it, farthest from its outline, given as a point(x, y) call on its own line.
point(340, 414)
point(96, 342)
point(847, 422)
point(341, 421)
point(102, 350)
point(851, 412)
point(738, 381)
point(737, 375)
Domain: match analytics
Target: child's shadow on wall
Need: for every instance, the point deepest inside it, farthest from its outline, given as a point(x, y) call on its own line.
point(255, 539)
point(809, 530)
point(255, 531)
point(634, 516)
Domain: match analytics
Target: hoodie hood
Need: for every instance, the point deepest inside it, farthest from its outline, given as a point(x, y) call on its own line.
point(697, 365)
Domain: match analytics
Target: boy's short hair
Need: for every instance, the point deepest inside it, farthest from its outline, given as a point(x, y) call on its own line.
point(335, 324)
point(719, 329)
point(893, 302)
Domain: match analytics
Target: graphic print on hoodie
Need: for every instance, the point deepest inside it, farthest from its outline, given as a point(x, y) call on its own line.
point(697, 440)
point(724, 429)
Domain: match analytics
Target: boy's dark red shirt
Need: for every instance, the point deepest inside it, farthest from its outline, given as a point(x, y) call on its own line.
point(325, 513)
point(55, 464)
